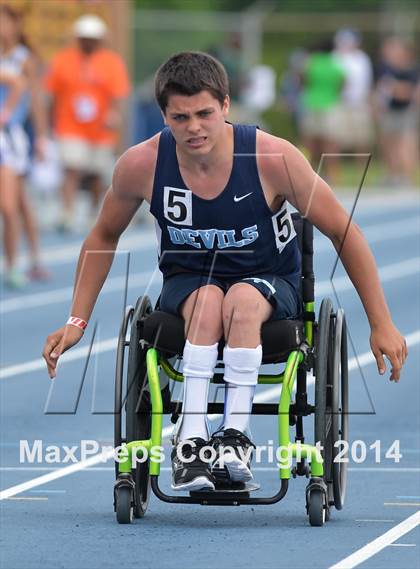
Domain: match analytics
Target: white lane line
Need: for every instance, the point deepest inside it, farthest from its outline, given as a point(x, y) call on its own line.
point(403, 504)
point(111, 344)
point(76, 354)
point(362, 360)
point(408, 497)
point(373, 547)
point(29, 498)
point(69, 253)
point(375, 201)
point(387, 273)
point(373, 521)
point(402, 545)
point(56, 474)
point(23, 302)
point(59, 295)
point(47, 491)
point(377, 469)
point(375, 233)
point(267, 395)
point(146, 239)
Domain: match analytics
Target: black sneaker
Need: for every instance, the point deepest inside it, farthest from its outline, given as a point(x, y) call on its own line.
point(234, 456)
point(194, 475)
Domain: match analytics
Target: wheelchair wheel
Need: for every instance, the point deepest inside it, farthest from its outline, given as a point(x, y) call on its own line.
point(124, 505)
point(138, 407)
point(324, 391)
point(316, 510)
point(340, 408)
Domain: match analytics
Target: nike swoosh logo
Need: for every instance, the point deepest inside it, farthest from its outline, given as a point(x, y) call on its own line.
point(236, 199)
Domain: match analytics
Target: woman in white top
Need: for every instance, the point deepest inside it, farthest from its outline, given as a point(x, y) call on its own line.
point(20, 96)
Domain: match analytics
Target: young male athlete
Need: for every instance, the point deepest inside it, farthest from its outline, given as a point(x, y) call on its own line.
point(228, 252)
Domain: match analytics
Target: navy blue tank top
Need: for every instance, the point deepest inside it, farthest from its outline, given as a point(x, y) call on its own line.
point(233, 235)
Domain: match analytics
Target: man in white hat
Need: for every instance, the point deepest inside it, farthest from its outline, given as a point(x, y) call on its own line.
point(88, 84)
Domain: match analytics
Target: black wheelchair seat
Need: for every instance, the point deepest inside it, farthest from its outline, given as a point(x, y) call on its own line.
point(165, 332)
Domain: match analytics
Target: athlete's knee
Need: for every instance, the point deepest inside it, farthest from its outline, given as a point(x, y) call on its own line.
point(241, 307)
point(241, 316)
point(206, 300)
point(202, 313)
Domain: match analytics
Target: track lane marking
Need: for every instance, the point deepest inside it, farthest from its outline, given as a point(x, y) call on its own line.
point(408, 497)
point(146, 239)
point(59, 295)
point(29, 498)
point(389, 272)
point(62, 254)
point(402, 504)
point(373, 521)
point(110, 344)
point(378, 544)
point(364, 359)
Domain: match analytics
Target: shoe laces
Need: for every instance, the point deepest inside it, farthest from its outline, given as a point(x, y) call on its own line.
point(230, 437)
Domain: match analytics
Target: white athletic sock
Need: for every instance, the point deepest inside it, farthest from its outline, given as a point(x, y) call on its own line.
point(199, 364)
point(238, 405)
point(241, 376)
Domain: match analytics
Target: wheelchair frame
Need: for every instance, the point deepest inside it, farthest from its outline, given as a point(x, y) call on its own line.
point(324, 351)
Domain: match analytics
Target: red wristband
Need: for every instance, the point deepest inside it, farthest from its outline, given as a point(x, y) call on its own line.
point(78, 322)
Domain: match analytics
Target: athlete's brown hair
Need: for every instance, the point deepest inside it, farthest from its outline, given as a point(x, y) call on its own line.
point(188, 73)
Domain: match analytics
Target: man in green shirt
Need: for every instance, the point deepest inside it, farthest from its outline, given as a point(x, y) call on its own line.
point(323, 81)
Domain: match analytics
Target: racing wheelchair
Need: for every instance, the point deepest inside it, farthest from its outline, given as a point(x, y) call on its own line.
point(151, 342)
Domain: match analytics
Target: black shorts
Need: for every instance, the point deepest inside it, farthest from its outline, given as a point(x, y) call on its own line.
point(279, 292)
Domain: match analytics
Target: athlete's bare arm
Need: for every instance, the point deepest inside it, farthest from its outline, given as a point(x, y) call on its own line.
point(285, 171)
point(132, 183)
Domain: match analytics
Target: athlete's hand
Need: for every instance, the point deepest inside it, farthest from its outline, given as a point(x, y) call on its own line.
point(57, 343)
point(387, 341)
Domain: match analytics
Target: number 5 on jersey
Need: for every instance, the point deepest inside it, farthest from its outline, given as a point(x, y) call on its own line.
point(177, 205)
point(284, 229)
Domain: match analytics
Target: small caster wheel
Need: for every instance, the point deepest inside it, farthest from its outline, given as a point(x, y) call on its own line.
point(316, 510)
point(124, 505)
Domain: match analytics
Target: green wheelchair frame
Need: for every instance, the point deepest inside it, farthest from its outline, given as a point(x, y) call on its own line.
point(324, 351)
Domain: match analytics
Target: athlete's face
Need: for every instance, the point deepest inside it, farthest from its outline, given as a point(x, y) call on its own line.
point(196, 121)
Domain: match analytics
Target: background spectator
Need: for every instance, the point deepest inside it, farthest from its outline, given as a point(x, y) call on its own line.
point(355, 124)
point(19, 95)
point(323, 80)
point(291, 87)
point(88, 84)
point(397, 101)
point(259, 92)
